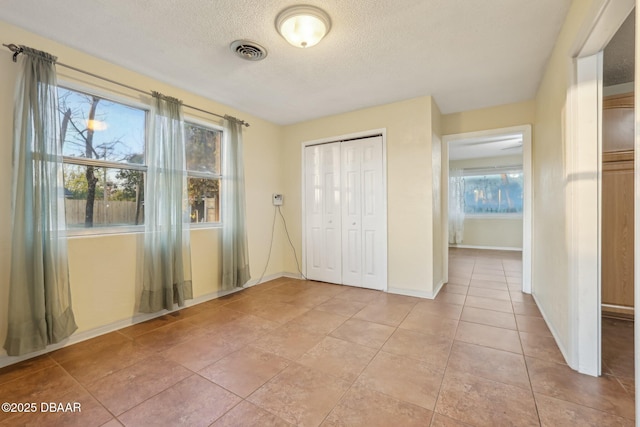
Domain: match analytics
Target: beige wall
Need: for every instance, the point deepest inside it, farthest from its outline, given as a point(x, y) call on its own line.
point(104, 269)
point(409, 184)
point(550, 252)
point(498, 232)
point(502, 116)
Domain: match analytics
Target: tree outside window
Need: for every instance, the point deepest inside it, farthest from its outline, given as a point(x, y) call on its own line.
point(103, 146)
point(499, 193)
point(204, 172)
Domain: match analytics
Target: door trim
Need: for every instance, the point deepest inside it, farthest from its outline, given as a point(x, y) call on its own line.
point(341, 138)
point(584, 178)
point(583, 139)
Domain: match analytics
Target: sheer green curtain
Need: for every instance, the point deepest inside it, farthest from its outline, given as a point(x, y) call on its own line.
point(167, 253)
point(235, 251)
point(456, 206)
point(40, 310)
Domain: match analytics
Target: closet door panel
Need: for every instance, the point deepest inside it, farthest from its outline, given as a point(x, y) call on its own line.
point(345, 213)
point(323, 214)
point(313, 212)
point(331, 213)
point(351, 214)
point(316, 250)
point(374, 218)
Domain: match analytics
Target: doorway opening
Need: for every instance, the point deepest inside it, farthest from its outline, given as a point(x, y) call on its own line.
point(487, 176)
point(584, 169)
point(617, 205)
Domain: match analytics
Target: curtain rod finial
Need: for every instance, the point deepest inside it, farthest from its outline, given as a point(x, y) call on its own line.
point(12, 47)
point(17, 50)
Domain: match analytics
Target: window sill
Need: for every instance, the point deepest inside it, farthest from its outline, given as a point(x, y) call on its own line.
point(103, 231)
point(206, 225)
point(134, 229)
point(493, 216)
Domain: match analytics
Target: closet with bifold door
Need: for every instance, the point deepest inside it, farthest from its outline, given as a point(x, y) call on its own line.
point(345, 218)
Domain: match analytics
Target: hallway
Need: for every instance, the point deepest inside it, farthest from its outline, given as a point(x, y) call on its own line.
point(562, 396)
point(292, 352)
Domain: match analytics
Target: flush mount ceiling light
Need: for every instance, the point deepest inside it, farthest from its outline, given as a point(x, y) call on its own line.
point(303, 26)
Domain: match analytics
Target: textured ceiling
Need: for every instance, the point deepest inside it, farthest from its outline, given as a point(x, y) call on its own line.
point(467, 54)
point(489, 146)
point(619, 55)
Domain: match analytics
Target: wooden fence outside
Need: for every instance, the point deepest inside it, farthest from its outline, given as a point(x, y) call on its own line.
point(116, 212)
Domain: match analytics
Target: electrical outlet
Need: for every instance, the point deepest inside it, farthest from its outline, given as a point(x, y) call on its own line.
point(278, 199)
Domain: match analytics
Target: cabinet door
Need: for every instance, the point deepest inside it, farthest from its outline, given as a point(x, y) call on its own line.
point(323, 214)
point(618, 123)
point(617, 235)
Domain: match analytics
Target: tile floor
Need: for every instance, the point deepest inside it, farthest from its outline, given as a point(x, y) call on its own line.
point(618, 351)
point(291, 352)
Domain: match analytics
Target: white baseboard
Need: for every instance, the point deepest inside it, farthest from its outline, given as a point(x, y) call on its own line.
point(560, 344)
point(416, 293)
point(268, 278)
point(493, 248)
point(438, 287)
point(137, 318)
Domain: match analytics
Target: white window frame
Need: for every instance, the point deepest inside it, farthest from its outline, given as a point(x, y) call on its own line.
point(109, 96)
point(208, 125)
point(146, 107)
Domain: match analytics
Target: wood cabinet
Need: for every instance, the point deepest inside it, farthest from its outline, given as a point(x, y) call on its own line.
point(618, 205)
point(617, 123)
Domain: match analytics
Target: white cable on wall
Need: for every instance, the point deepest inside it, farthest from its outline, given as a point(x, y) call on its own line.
point(295, 255)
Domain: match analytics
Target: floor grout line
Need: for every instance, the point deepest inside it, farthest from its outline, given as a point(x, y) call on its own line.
point(443, 372)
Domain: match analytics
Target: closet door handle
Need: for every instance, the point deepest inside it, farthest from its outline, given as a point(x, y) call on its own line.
point(353, 223)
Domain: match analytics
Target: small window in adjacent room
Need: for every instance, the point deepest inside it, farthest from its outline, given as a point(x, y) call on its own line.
point(103, 144)
point(493, 193)
point(203, 145)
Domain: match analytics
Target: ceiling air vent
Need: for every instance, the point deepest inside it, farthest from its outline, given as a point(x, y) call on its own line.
point(246, 49)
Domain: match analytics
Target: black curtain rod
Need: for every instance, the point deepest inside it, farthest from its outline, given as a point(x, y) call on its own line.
point(17, 50)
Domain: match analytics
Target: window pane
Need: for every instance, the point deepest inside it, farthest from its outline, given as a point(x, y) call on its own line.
point(202, 149)
point(96, 128)
point(499, 193)
point(114, 197)
point(204, 199)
